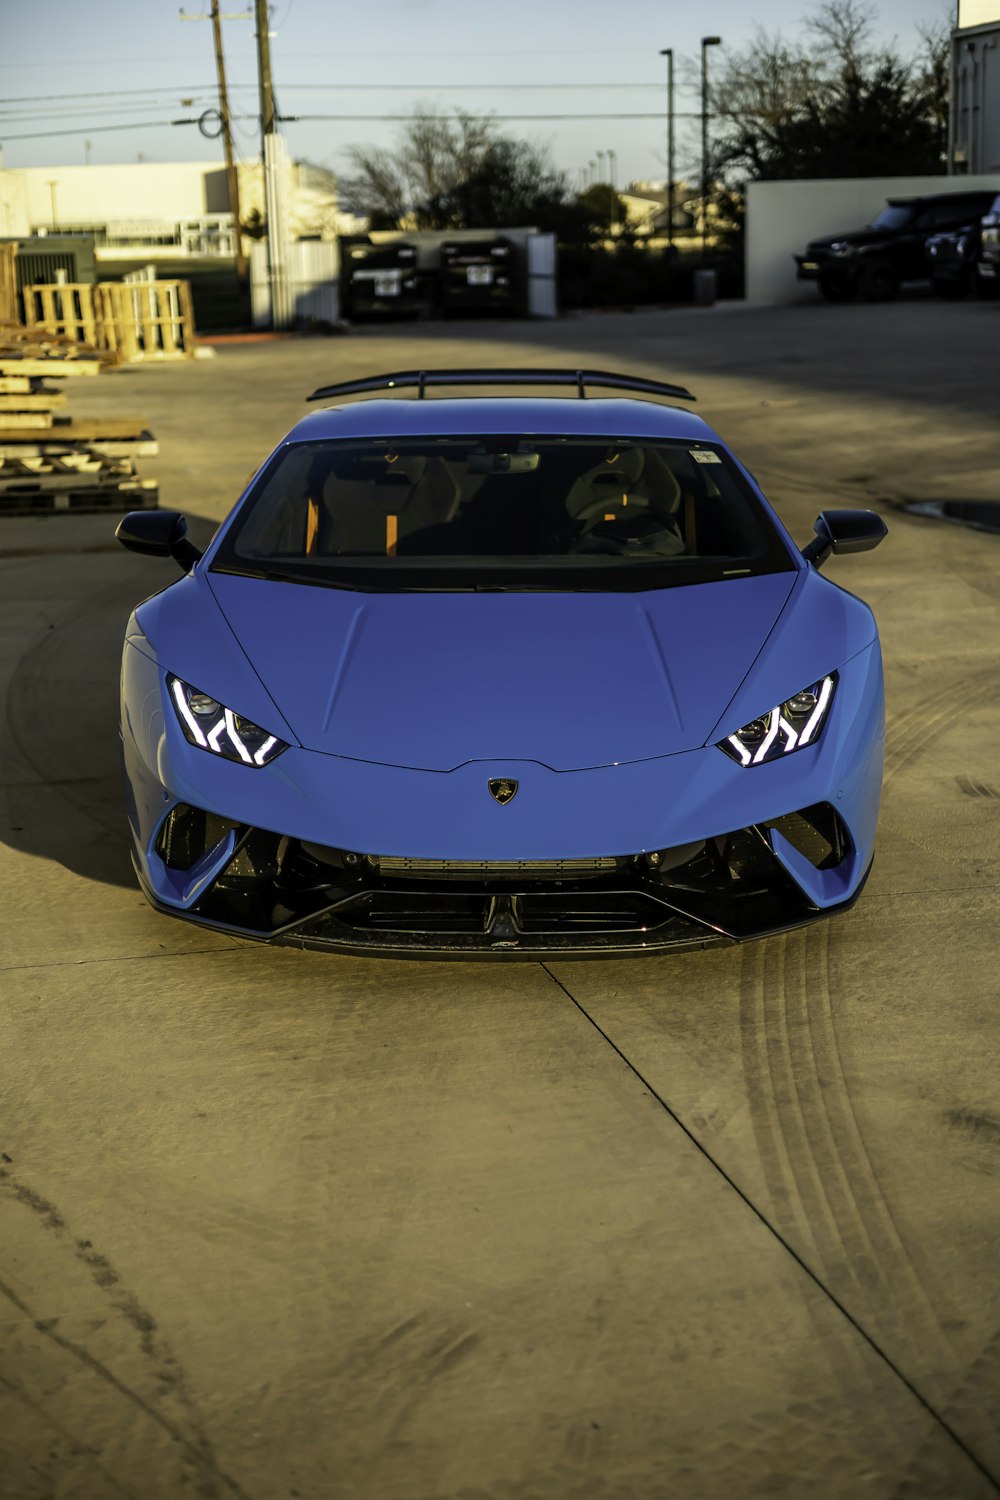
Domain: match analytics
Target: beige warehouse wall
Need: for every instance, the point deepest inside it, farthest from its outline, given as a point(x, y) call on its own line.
point(138, 190)
point(783, 216)
point(13, 205)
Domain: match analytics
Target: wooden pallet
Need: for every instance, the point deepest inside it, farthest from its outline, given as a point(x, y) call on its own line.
point(50, 367)
point(81, 499)
point(63, 472)
point(84, 430)
point(52, 464)
point(40, 351)
point(41, 445)
point(127, 321)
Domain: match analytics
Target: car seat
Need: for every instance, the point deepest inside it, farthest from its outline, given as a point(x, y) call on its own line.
point(630, 501)
point(369, 504)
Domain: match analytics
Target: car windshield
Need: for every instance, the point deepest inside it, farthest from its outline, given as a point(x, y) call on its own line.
point(893, 216)
point(501, 512)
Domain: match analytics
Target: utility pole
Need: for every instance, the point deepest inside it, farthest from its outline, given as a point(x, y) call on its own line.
point(668, 53)
point(232, 176)
point(268, 124)
point(276, 168)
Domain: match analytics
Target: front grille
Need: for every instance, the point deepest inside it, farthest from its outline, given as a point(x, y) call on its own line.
point(727, 887)
point(583, 911)
point(465, 869)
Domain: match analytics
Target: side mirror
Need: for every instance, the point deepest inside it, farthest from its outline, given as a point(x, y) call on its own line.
point(158, 533)
point(844, 531)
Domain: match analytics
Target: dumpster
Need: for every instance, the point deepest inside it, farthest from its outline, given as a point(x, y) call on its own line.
point(380, 280)
point(478, 276)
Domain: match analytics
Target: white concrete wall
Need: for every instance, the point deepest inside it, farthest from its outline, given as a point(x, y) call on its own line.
point(974, 133)
point(978, 12)
point(783, 216)
point(138, 190)
point(13, 205)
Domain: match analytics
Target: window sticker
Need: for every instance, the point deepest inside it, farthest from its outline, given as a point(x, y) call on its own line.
point(704, 456)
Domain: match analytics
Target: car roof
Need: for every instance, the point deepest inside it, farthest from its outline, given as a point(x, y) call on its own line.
point(942, 197)
point(550, 415)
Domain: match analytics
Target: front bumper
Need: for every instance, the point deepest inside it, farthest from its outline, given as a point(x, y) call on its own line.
point(728, 890)
point(839, 270)
point(319, 851)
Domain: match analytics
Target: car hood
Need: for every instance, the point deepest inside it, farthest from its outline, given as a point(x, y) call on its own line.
point(866, 236)
point(432, 681)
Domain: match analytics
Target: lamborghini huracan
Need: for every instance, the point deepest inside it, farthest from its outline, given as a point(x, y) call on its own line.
point(502, 675)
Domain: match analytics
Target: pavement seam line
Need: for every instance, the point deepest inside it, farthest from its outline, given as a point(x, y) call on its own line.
point(117, 958)
point(776, 1234)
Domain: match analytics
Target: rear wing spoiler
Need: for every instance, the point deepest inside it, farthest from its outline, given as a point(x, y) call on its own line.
point(421, 379)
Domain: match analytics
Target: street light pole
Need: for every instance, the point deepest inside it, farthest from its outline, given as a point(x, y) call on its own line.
point(613, 194)
point(706, 42)
point(668, 53)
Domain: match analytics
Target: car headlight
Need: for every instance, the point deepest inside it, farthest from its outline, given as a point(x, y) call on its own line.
point(211, 726)
point(788, 726)
point(842, 247)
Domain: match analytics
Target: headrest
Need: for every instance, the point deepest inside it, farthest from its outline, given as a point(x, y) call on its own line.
point(376, 471)
point(616, 474)
point(625, 462)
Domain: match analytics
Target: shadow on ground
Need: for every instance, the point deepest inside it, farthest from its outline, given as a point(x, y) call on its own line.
point(59, 751)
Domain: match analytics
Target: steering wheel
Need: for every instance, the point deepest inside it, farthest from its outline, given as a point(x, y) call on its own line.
point(595, 510)
point(590, 542)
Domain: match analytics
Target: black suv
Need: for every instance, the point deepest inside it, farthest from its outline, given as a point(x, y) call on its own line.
point(988, 282)
point(872, 262)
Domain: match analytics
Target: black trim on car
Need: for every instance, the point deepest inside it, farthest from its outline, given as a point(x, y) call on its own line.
point(728, 889)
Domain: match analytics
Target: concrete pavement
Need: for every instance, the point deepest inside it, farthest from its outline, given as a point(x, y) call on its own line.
point(722, 1224)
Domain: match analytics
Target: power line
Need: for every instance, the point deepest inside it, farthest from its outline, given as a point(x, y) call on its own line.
point(338, 88)
point(93, 112)
point(36, 135)
point(103, 93)
point(588, 115)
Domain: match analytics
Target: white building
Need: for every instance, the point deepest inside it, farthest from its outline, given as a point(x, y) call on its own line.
point(974, 116)
point(174, 209)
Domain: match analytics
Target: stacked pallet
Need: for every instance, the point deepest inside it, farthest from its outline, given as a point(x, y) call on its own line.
point(50, 462)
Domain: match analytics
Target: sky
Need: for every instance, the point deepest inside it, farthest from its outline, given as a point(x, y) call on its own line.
point(104, 80)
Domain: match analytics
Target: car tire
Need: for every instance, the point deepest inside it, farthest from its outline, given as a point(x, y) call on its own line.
point(951, 291)
point(878, 282)
point(836, 290)
point(987, 287)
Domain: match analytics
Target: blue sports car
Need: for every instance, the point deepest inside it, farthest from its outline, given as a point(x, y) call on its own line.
point(502, 677)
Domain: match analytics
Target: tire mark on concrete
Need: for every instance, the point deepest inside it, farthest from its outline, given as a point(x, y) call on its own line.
point(869, 1413)
point(970, 788)
point(383, 1379)
point(825, 1190)
point(979, 1133)
point(78, 1444)
point(194, 1442)
point(982, 1376)
point(913, 730)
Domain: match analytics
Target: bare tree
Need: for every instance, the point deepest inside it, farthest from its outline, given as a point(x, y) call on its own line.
point(843, 30)
point(836, 106)
point(453, 171)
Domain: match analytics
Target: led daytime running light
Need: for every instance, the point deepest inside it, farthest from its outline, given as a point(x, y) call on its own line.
point(782, 735)
point(231, 737)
